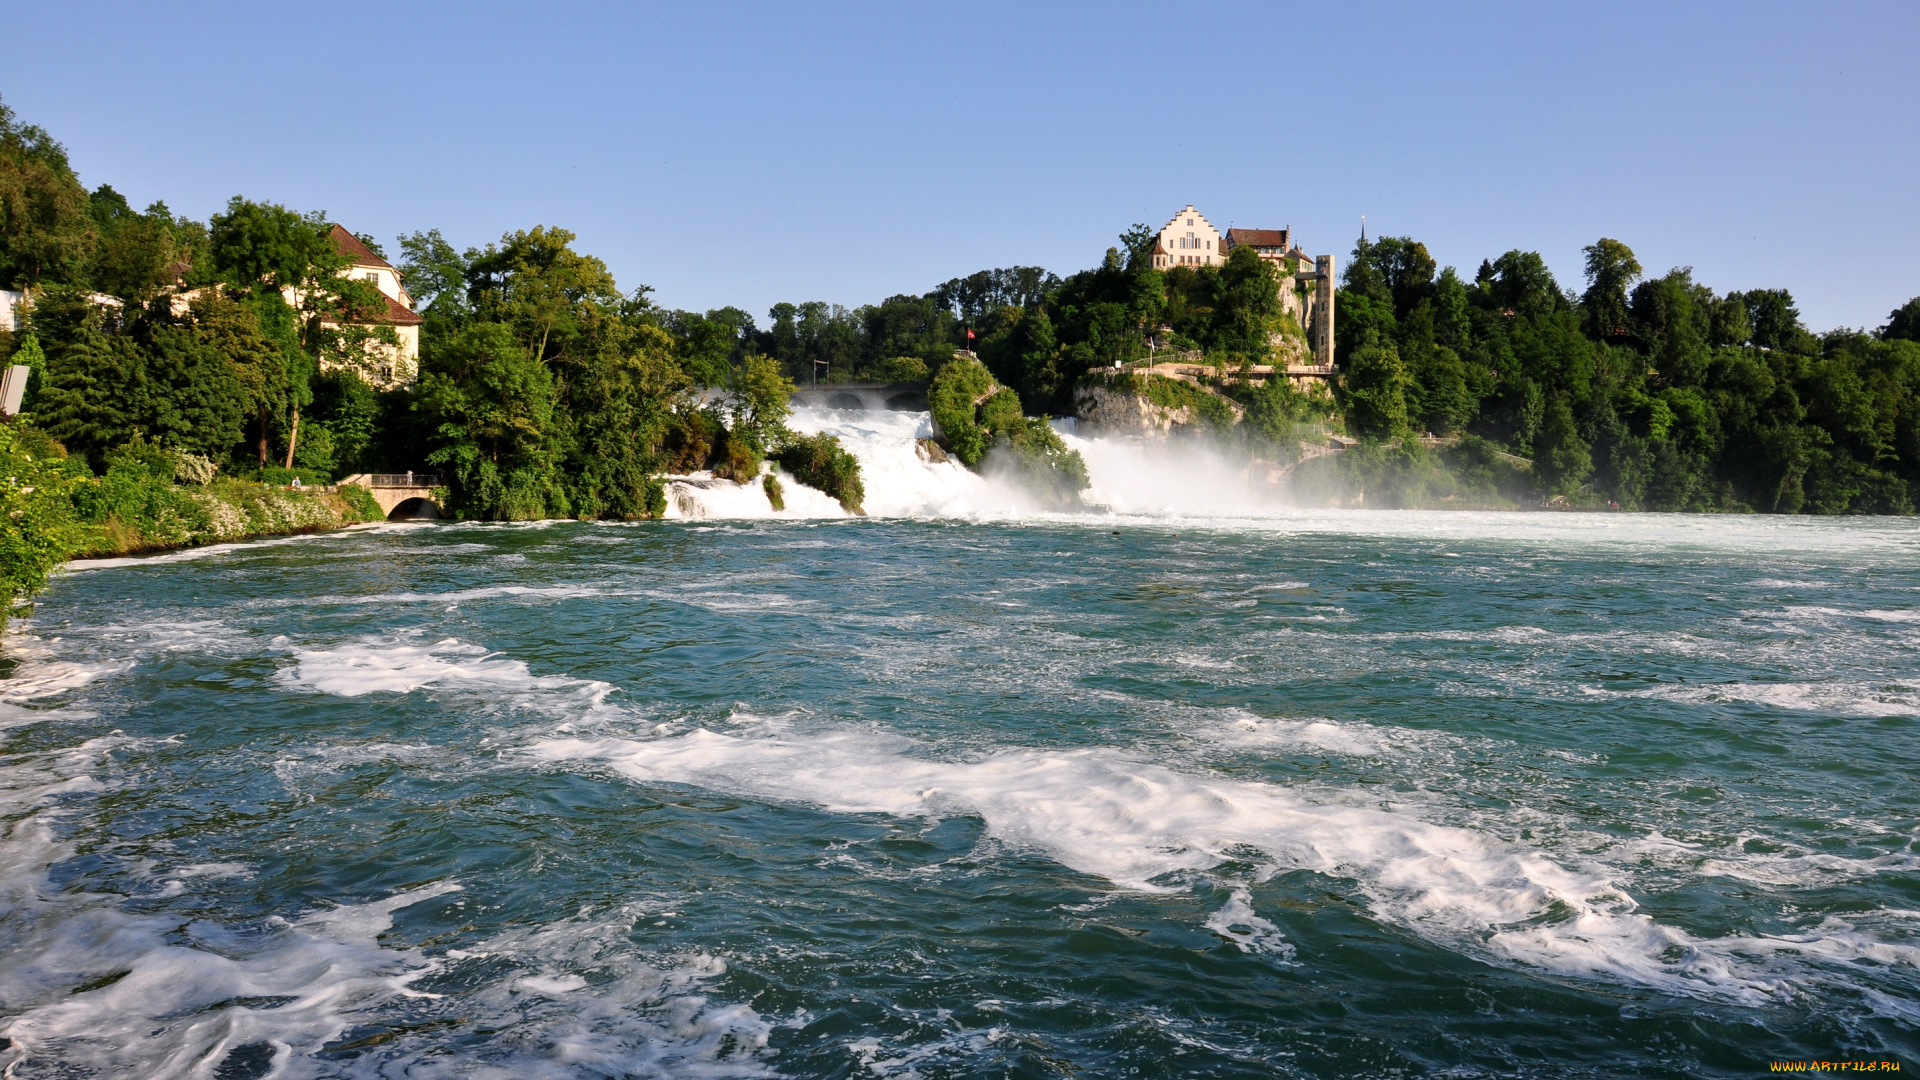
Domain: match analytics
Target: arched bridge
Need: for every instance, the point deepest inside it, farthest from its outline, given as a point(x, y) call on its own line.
point(868, 396)
point(404, 496)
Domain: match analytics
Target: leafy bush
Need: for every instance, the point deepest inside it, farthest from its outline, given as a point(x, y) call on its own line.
point(951, 398)
point(736, 458)
point(193, 468)
point(690, 435)
point(361, 502)
point(37, 531)
point(899, 369)
point(1029, 452)
point(976, 415)
point(776, 495)
point(819, 462)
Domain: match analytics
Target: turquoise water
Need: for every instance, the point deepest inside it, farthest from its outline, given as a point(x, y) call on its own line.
point(1337, 795)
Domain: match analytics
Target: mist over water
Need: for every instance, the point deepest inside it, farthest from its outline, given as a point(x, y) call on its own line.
point(1199, 785)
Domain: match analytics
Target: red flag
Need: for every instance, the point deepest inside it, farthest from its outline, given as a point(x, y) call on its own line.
point(969, 335)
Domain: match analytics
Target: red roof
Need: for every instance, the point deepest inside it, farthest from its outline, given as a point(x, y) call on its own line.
point(396, 314)
point(349, 245)
point(399, 315)
point(1273, 238)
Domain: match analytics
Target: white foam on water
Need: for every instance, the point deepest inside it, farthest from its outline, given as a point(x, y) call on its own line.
point(1843, 698)
point(599, 1007)
point(1188, 484)
point(1237, 922)
point(398, 666)
point(700, 496)
point(1173, 478)
point(1893, 615)
point(899, 482)
point(1791, 865)
point(1134, 823)
point(90, 989)
point(457, 596)
point(1242, 729)
point(39, 673)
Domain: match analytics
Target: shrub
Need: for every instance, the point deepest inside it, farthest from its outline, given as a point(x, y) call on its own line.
point(37, 531)
point(776, 496)
point(195, 469)
point(361, 503)
point(735, 458)
point(951, 398)
point(819, 462)
point(688, 443)
point(1033, 455)
point(899, 369)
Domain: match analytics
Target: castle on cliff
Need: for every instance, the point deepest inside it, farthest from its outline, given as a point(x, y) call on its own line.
point(1306, 281)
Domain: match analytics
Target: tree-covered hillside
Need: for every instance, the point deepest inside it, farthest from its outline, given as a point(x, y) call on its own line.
point(1655, 392)
point(547, 389)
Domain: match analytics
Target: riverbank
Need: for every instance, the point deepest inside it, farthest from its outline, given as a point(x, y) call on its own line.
point(139, 516)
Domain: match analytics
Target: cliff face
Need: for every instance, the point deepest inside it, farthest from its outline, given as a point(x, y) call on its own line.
point(1106, 411)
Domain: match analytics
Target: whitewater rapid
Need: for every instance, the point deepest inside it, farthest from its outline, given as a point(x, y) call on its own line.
point(1154, 478)
point(1185, 775)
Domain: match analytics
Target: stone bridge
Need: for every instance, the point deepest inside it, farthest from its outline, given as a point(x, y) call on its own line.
point(404, 496)
point(869, 396)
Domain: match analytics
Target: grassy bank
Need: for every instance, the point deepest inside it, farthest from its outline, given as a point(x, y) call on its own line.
point(54, 508)
point(130, 516)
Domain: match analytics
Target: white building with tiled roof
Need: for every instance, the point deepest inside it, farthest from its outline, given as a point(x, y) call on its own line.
point(1188, 240)
point(1306, 281)
point(391, 365)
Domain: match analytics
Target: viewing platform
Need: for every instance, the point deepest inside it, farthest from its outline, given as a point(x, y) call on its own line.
point(1197, 371)
point(402, 496)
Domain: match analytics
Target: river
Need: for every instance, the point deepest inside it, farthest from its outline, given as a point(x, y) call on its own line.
point(1203, 786)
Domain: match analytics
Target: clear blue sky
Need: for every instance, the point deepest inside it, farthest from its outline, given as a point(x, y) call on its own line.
point(751, 153)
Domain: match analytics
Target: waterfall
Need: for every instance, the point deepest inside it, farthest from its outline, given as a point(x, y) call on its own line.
point(1131, 476)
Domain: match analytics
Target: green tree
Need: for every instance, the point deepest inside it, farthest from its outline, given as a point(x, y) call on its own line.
point(36, 515)
point(132, 252)
point(27, 353)
point(1611, 271)
point(1561, 459)
point(1247, 310)
point(1376, 388)
point(96, 391)
point(1521, 283)
point(195, 400)
point(953, 398)
point(1674, 320)
point(257, 246)
point(490, 403)
point(258, 364)
point(1776, 321)
point(45, 233)
point(615, 406)
point(550, 295)
point(1729, 325)
point(1904, 322)
point(760, 401)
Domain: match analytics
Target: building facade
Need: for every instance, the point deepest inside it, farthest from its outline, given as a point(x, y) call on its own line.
point(386, 365)
point(1188, 240)
point(1306, 281)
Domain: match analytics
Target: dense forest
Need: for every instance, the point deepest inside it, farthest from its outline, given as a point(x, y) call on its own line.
point(548, 390)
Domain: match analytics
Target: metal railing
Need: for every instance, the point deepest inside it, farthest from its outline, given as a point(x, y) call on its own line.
point(394, 480)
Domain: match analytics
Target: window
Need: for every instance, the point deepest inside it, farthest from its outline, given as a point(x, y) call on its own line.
point(1189, 221)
